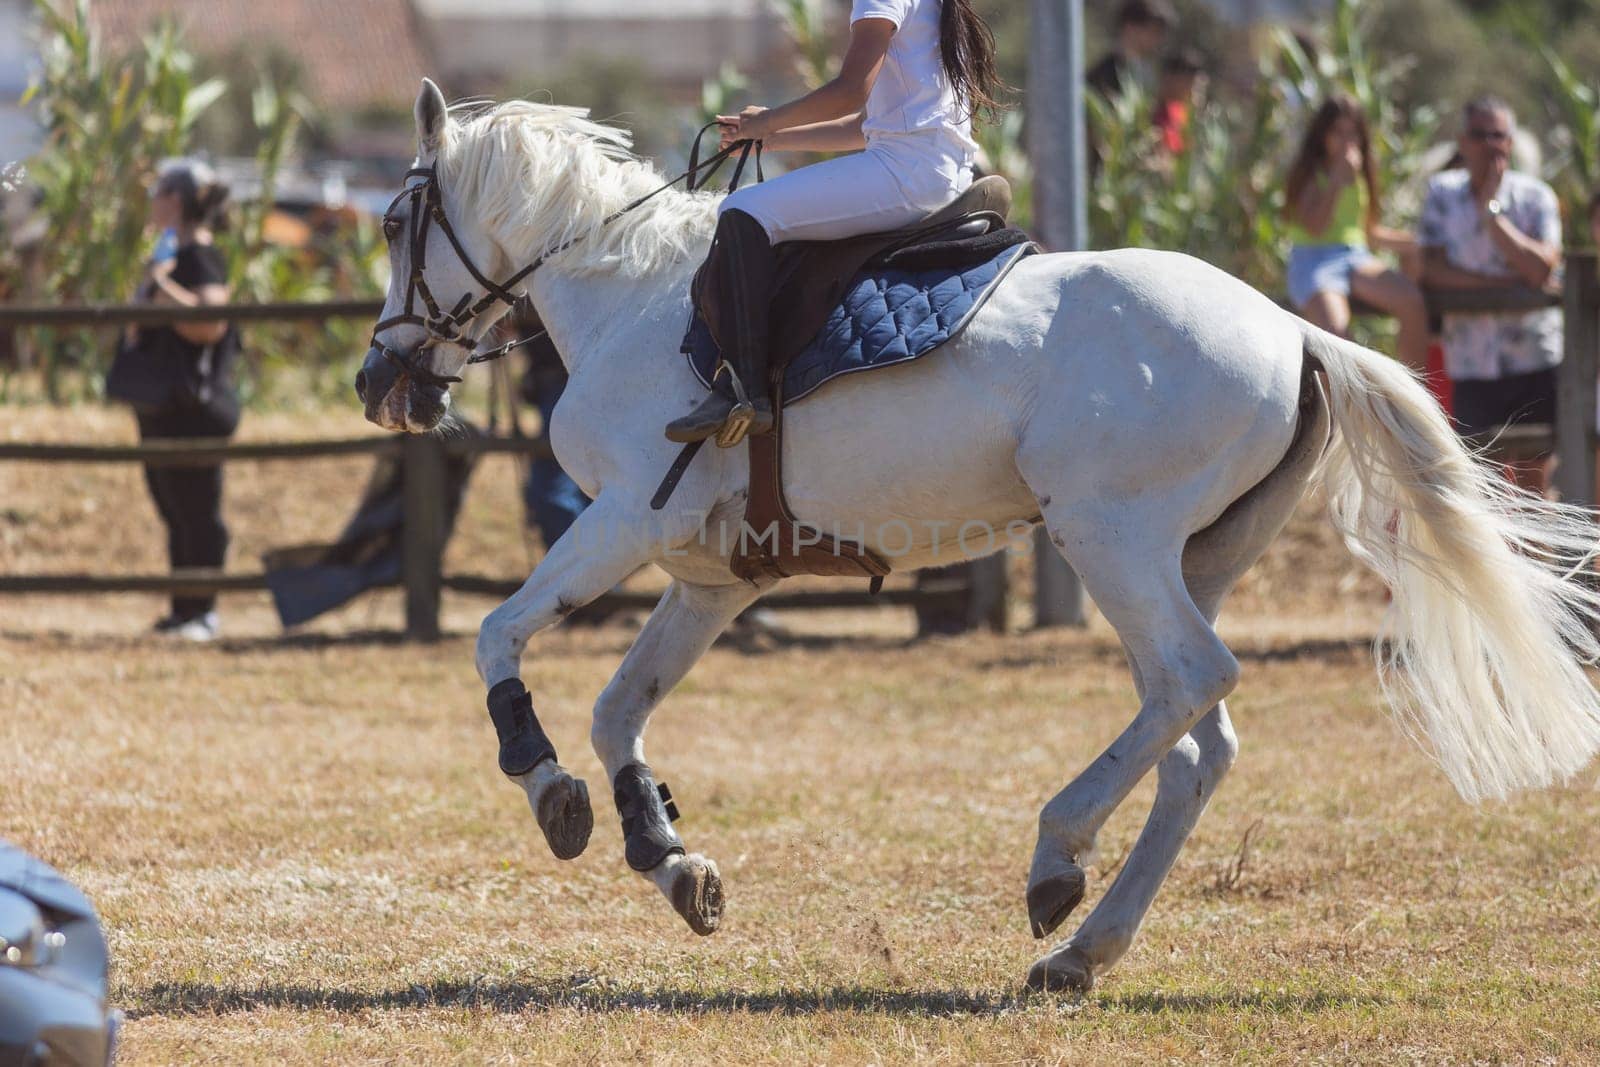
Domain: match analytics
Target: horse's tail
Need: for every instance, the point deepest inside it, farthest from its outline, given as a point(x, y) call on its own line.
point(1483, 647)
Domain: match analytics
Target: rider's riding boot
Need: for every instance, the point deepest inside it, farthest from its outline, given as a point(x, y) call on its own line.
point(739, 276)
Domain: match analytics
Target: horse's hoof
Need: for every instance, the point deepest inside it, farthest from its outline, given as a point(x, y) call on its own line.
point(1052, 899)
point(1066, 970)
point(565, 816)
point(697, 894)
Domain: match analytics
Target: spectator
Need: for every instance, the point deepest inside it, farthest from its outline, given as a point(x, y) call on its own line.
point(1181, 74)
point(179, 377)
point(1487, 226)
point(1333, 202)
point(1142, 28)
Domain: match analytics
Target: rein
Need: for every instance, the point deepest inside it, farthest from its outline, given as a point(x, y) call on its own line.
point(427, 208)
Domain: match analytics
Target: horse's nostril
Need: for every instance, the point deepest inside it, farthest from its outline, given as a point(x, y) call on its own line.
point(361, 386)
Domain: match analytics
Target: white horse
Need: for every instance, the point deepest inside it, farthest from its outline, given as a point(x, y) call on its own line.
point(1159, 417)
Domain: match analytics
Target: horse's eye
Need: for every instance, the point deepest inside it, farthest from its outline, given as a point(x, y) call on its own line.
point(391, 228)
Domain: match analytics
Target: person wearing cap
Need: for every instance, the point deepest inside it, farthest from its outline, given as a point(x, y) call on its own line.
point(187, 371)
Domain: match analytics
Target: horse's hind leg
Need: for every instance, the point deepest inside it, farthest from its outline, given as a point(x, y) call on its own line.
point(1213, 561)
point(1137, 582)
point(683, 625)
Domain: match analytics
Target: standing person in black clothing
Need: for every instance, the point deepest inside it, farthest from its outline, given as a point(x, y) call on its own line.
point(1142, 28)
point(180, 377)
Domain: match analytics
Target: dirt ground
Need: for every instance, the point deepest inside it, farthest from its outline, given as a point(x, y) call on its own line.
point(303, 852)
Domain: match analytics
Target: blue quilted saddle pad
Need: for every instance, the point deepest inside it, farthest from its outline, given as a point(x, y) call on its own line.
point(887, 316)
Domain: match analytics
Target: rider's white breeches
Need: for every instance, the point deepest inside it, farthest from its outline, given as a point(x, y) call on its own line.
point(894, 183)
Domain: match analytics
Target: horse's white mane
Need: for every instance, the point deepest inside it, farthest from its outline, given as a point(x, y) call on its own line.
point(537, 175)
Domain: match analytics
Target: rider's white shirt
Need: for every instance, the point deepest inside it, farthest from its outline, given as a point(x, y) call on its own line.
point(912, 95)
point(918, 154)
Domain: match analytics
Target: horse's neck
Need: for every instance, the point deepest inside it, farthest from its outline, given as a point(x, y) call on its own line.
point(586, 313)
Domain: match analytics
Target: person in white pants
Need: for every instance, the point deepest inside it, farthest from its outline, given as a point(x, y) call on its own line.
point(913, 75)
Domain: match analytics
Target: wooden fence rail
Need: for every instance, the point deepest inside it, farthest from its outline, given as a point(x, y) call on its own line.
point(15, 315)
point(423, 577)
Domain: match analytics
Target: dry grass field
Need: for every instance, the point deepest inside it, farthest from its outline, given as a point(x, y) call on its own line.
point(303, 853)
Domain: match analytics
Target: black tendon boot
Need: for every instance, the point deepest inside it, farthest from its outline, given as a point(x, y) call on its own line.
point(740, 270)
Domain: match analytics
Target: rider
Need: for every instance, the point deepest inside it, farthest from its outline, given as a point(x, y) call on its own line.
point(913, 74)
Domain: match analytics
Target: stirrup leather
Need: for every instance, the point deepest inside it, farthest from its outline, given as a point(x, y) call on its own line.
point(741, 415)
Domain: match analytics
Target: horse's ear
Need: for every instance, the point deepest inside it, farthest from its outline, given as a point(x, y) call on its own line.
point(430, 113)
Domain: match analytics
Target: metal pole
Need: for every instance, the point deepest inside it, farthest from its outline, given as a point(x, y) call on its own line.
point(1575, 430)
point(1058, 151)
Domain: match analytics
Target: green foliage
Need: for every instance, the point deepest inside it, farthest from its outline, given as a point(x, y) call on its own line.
point(1217, 199)
point(1221, 198)
point(806, 20)
point(1574, 167)
point(1007, 154)
point(232, 127)
point(1401, 133)
point(109, 122)
point(107, 126)
point(614, 90)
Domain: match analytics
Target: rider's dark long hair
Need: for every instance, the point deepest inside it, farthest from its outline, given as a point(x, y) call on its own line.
point(1312, 159)
point(966, 46)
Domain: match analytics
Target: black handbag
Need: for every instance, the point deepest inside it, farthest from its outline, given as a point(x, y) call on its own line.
point(155, 378)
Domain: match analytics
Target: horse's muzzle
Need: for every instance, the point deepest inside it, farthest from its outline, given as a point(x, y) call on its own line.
point(374, 380)
point(396, 401)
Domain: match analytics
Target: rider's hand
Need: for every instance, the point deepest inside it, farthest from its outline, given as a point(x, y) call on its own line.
point(747, 125)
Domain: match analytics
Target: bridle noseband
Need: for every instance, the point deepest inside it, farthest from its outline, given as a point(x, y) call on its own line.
point(427, 209)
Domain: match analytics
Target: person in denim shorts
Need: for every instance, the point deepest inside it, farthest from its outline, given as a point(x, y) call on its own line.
point(1333, 204)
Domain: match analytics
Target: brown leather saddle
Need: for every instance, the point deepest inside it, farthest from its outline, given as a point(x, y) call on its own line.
point(812, 277)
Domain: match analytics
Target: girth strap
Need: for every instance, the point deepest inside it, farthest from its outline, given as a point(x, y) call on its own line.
point(773, 542)
point(523, 744)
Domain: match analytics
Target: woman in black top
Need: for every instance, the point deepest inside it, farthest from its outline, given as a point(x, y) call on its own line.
point(189, 271)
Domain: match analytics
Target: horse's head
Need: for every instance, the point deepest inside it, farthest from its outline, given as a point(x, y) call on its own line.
point(442, 295)
point(492, 196)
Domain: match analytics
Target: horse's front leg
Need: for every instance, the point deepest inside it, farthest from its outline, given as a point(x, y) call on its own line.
point(683, 625)
point(603, 546)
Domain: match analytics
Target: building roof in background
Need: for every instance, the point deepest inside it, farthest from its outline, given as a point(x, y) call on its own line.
point(355, 53)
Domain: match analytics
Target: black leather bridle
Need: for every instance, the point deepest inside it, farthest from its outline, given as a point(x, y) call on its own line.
point(427, 209)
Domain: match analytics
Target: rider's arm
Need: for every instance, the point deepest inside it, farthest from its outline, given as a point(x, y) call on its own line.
point(839, 135)
point(844, 96)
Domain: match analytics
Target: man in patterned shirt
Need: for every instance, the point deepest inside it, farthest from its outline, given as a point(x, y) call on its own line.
point(1486, 226)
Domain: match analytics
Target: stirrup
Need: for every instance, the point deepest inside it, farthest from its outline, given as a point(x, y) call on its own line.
point(740, 416)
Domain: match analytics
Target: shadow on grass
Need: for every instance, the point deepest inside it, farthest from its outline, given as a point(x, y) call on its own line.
point(581, 993)
point(272, 642)
point(1276, 1002)
point(586, 994)
point(617, 637)
point(1342, 650)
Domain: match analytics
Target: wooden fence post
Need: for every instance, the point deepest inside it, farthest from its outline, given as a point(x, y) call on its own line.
point(422, 533)
point(1575, 396)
